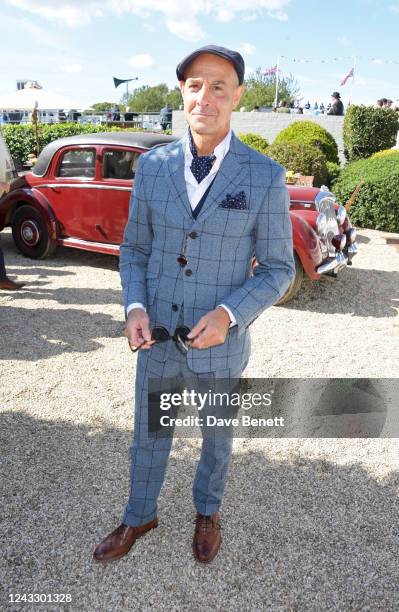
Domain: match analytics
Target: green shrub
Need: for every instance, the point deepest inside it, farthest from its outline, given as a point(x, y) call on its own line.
point(385, 152)
point(310, 133)
point(377, 204)
point(333, 172)
point(367, 130)
point(255, 141)
point(301, 158)
point(21, 139)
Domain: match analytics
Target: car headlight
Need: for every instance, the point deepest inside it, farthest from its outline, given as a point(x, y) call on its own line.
point(352, 235)
point(341, 214)
point(321, 224)
point(339, 242)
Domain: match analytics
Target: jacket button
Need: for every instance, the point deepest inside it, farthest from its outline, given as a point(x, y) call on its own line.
point(175, 307)
point(193, 234)
point(188, 272)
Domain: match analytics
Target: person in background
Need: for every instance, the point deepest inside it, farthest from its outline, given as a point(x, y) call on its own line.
point(322, 108)
point(166, 116)
point(283, 107)
point(6, 284)
point(6, 176)
point(307, 105)
point(337, 108)
point(116, 114)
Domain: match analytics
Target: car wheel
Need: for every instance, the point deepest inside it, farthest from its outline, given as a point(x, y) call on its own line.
point(295, 283)
point(30, 233)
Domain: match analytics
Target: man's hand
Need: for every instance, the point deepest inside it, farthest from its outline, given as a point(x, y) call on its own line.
point(137, 329)
point(210, 330)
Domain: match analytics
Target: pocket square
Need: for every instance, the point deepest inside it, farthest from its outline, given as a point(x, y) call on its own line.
point(237, 202)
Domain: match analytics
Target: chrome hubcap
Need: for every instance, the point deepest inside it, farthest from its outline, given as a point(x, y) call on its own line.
point(30, 232)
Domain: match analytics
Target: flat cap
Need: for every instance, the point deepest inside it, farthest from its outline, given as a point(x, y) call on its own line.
point(232, 56)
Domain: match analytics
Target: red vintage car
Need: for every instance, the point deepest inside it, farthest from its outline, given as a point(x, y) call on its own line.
point(77, 195)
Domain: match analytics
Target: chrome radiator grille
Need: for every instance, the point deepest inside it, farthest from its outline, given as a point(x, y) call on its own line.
point(326, 206)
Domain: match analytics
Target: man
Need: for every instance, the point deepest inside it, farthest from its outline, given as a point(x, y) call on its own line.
point(6, 284)
point(166, 116)
point(337, 108)
point(283, 108)
point(201, 207)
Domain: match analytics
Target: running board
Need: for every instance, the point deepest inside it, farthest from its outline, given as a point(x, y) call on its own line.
point(87, 245)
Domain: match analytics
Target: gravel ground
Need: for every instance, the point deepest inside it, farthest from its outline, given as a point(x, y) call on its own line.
point(308, 524)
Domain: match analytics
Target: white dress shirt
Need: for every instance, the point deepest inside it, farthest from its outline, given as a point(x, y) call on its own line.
point(195, 191)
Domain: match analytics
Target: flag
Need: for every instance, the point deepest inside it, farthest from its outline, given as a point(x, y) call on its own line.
point(350, 74)
point(270, 71)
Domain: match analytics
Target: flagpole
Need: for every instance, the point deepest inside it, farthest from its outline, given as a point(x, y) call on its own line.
point(277, 75)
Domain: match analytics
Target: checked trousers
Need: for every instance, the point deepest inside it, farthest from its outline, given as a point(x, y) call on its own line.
point(149, 454)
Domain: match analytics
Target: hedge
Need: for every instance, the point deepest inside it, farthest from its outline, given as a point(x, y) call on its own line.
point(368, 130)
point(21, 139)
point(377, 204)
point(255, 141)
point(303, 158)
point(310, 133)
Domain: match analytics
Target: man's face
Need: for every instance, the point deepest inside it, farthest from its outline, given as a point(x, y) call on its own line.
point(210, 93)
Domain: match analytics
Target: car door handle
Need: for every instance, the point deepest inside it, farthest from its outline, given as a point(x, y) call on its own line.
point(100, 229)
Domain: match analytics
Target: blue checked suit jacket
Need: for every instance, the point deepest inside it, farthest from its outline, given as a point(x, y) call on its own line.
point(219, 256)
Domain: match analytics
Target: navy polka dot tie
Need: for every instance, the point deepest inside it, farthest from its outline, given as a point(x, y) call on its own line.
point(201, 165)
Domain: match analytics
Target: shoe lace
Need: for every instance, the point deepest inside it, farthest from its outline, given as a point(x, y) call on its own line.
point(202, 523)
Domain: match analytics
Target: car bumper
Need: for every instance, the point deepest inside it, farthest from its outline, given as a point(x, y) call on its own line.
point(342, 259)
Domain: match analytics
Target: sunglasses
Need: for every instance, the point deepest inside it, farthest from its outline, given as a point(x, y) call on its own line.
point(161, 334)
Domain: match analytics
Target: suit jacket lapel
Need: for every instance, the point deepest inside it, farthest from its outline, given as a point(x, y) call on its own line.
point(175, 175)
point(233, 171)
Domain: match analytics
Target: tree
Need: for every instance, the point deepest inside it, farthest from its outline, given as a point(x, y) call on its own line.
point(102, 107)
point(174, 98)
point(148, 99)
point(260, 90)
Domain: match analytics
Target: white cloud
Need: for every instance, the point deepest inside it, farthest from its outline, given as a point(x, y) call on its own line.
point(181, 16)
point(247, 49)
point(70, 12)
point(395, 8)
point(40, 35)
point(225, 15)
point(72, 68)
point(143, 60)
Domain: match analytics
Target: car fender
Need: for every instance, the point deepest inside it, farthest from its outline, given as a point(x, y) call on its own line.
point(306, 243)
point(33, 197)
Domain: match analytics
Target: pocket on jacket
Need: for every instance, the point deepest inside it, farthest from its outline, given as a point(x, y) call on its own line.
point(232, 222)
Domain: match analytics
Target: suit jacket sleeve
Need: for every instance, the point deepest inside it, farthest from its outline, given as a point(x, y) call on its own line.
point(274, 254)
point(137, 244)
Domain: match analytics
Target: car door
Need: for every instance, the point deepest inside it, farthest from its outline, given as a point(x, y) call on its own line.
point(74, 190)
point(118, 167)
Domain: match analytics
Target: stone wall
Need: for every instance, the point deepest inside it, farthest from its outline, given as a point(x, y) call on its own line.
point(270, 124)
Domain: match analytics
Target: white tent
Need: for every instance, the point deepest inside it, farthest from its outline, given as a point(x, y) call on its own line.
point(29, 97)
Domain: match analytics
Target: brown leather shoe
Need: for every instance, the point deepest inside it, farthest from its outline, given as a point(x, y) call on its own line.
point(118, 543)
point(207, 537)
point(9, 285)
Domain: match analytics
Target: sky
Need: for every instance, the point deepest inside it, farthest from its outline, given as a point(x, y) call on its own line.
point(75, 48)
